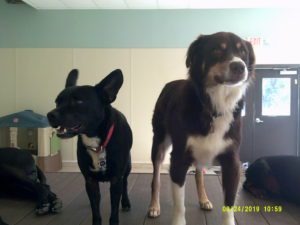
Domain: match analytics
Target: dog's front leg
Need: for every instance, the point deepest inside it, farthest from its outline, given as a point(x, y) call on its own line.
point(93, 191)
point(230, 164)
point(115, 197)
point(178, 170)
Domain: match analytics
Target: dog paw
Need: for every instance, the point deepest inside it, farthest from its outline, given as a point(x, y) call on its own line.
point(56, 206)
point(97, 223)
point(126, 206)
point(154, 212)
point(228, 218)
point(258, 193)
point(178, 219)
point(206, 205)
point(42, 209)
point(113, 222)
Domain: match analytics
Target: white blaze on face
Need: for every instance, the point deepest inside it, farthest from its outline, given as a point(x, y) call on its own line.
point(224, 96)
point(227, 75)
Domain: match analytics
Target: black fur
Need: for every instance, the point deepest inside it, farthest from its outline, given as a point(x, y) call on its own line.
point(87, 110)
point(2, 222)
point(20, 176)
point(275, 176)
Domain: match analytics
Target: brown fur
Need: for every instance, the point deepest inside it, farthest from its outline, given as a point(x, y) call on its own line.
point(185, 109)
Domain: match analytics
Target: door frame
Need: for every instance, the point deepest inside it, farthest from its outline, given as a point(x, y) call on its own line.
point(249, 120)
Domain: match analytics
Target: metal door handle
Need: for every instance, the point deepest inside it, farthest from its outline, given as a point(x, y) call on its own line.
point(258, 120)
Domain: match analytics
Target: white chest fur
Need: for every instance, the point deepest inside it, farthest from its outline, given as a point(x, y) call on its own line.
point(205, 148)
point(224, 100)
point(92, 142)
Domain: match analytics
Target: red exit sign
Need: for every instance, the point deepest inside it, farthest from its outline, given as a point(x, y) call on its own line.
point(256, 41)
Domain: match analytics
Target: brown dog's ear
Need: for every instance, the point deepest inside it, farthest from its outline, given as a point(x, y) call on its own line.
point(72, 78)
point(251, 56)
point(109, 87)
point(194, 51)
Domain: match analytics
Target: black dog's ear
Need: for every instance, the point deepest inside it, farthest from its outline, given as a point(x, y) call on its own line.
point(109, 87)
point(72, 78)
point(194, 53)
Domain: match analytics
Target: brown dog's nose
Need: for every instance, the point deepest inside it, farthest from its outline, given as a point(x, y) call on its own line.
point(237, 67)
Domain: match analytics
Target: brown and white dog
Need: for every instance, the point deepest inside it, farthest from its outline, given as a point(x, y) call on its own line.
point(201, 118)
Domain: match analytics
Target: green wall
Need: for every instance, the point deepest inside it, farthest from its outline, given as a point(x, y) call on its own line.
point(23, 26)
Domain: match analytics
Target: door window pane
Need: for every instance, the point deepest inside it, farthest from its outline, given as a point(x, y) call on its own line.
point(276, 96)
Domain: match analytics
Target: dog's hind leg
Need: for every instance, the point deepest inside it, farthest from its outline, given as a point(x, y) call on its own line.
point(230, 164)
point(204, 202)
point(125, 199)
point(159, 147)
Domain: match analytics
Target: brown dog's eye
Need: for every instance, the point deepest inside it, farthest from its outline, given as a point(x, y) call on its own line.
point(217, 52)
point(243, 53)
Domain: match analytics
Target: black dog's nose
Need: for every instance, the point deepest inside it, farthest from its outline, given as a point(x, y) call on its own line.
point(237, 67)
point(52, 117)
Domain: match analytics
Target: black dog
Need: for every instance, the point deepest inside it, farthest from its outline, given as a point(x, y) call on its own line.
point(2, 222)
point(104, 138)
point(20, 176)
point(201, 118)
point(276, 176)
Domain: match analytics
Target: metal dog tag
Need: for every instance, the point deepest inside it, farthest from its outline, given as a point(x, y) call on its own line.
point(102, 161)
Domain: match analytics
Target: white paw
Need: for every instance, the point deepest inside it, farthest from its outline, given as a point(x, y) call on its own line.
point(178, 219)
point(206, 205)
point(228, 218)
point(153, 211)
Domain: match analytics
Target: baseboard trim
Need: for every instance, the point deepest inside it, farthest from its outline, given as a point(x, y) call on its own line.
point(72, 166)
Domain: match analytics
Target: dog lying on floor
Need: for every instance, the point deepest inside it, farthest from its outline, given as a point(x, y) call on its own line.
point(21, 177)
point(2, 222)
point(104, 138)
point(276, 176)
point(201, 118)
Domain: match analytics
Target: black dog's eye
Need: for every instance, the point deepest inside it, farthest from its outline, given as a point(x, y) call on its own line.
point(77, 100)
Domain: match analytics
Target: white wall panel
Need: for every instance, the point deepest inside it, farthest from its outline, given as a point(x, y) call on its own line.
point(41, 75)
point(7, 81)
point(151, 70)
point(95, 64)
